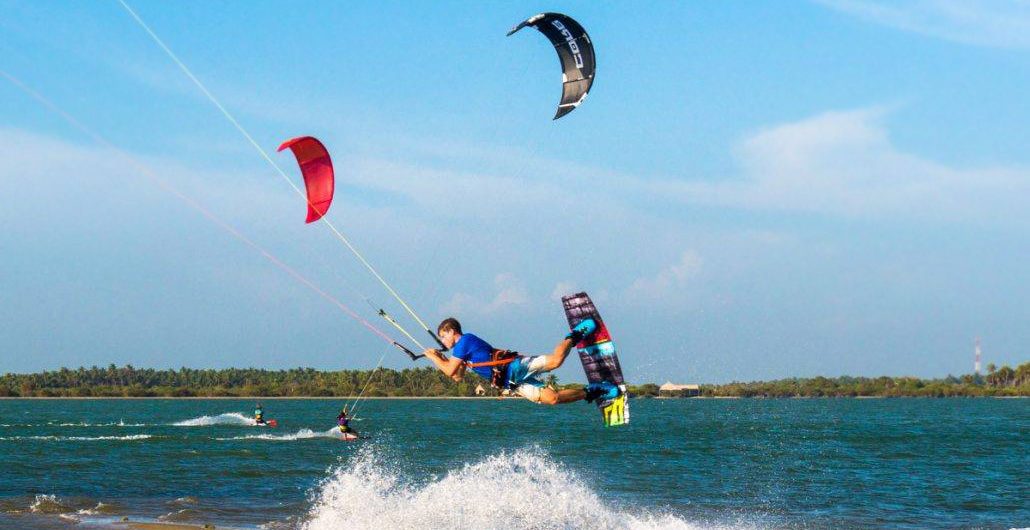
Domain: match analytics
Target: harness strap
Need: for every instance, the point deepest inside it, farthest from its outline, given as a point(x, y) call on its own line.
point(501, 362)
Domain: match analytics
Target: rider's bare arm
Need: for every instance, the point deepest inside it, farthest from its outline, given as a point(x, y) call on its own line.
point(453, 367)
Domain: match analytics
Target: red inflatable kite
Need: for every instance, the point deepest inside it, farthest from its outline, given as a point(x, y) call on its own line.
point(317, 168)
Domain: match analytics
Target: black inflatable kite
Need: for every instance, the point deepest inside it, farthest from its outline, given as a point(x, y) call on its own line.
point(575, 51)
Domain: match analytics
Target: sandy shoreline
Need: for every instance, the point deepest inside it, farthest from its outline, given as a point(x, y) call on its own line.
point(162, 526)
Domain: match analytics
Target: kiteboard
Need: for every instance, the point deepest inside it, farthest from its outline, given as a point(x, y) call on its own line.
point(269, 423)
point(597, 353)
point(347, 436)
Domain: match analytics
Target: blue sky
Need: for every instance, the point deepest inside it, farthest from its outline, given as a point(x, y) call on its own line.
point(750, 190)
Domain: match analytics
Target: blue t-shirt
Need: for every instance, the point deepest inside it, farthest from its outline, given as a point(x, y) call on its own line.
point(473, 349)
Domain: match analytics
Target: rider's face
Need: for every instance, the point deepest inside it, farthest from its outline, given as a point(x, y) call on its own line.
point(448, 338)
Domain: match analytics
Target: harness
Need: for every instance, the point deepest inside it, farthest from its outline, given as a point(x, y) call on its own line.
point(499, 361)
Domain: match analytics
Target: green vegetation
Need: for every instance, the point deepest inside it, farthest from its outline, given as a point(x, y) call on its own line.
point(128, 381)
point(999, 382)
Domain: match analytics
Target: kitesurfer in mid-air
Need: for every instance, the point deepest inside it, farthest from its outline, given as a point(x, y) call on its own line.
point(512, 371)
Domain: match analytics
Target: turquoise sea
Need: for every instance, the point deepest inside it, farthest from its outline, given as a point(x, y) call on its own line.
point(699, 463)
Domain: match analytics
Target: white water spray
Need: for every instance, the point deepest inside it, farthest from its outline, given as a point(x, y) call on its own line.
point(228, 418)
point(522, 489)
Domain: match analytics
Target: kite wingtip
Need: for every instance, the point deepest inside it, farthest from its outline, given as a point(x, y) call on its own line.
point(294, 140)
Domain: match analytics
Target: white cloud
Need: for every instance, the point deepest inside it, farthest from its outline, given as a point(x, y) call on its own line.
point(510, 292)
point(561, 289)
point(996, 23)
point(80, 174)
point(838, 163)
point(459, 304)
point(844, 163)
point(458, 193)
point(669, 282)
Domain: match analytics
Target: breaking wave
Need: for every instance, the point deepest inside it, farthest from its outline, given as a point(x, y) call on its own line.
point(182, 516)
point(100, 509)
point(49, 504)
point(184, 501)
point(228, 418)
point(521, 489)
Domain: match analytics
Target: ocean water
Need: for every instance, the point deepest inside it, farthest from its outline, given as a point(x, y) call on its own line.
point(681, 464)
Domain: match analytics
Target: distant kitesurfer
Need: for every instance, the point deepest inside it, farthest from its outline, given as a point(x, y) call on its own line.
point(344, 423)
point(259, 415)
point(509, 370)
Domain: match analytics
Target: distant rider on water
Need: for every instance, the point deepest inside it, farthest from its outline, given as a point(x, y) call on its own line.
point(344, 423)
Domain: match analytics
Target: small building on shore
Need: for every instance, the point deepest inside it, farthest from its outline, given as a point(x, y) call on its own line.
point(480, 391)
point(672, 390)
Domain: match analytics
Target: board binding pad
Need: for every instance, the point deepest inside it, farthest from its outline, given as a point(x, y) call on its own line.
point(597, 353)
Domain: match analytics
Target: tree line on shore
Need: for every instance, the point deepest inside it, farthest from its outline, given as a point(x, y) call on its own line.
point(1004, 382)
point(128, 381)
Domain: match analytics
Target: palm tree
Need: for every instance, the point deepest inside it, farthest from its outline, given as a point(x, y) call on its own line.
point(1023, 374)
point(1006, 376)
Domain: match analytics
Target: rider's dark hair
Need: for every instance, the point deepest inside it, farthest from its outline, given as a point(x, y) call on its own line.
point(449, 324)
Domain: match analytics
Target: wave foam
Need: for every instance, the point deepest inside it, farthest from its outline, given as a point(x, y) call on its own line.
point(228, 418)
point(99, 509)
point(80, 438)
point(182, 516)
point(48, 504)
point(184, 501)
point(522, 489)
point(120, 423)
point(302, 434)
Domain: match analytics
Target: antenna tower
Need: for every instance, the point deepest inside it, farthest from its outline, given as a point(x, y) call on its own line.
point(976, 361)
